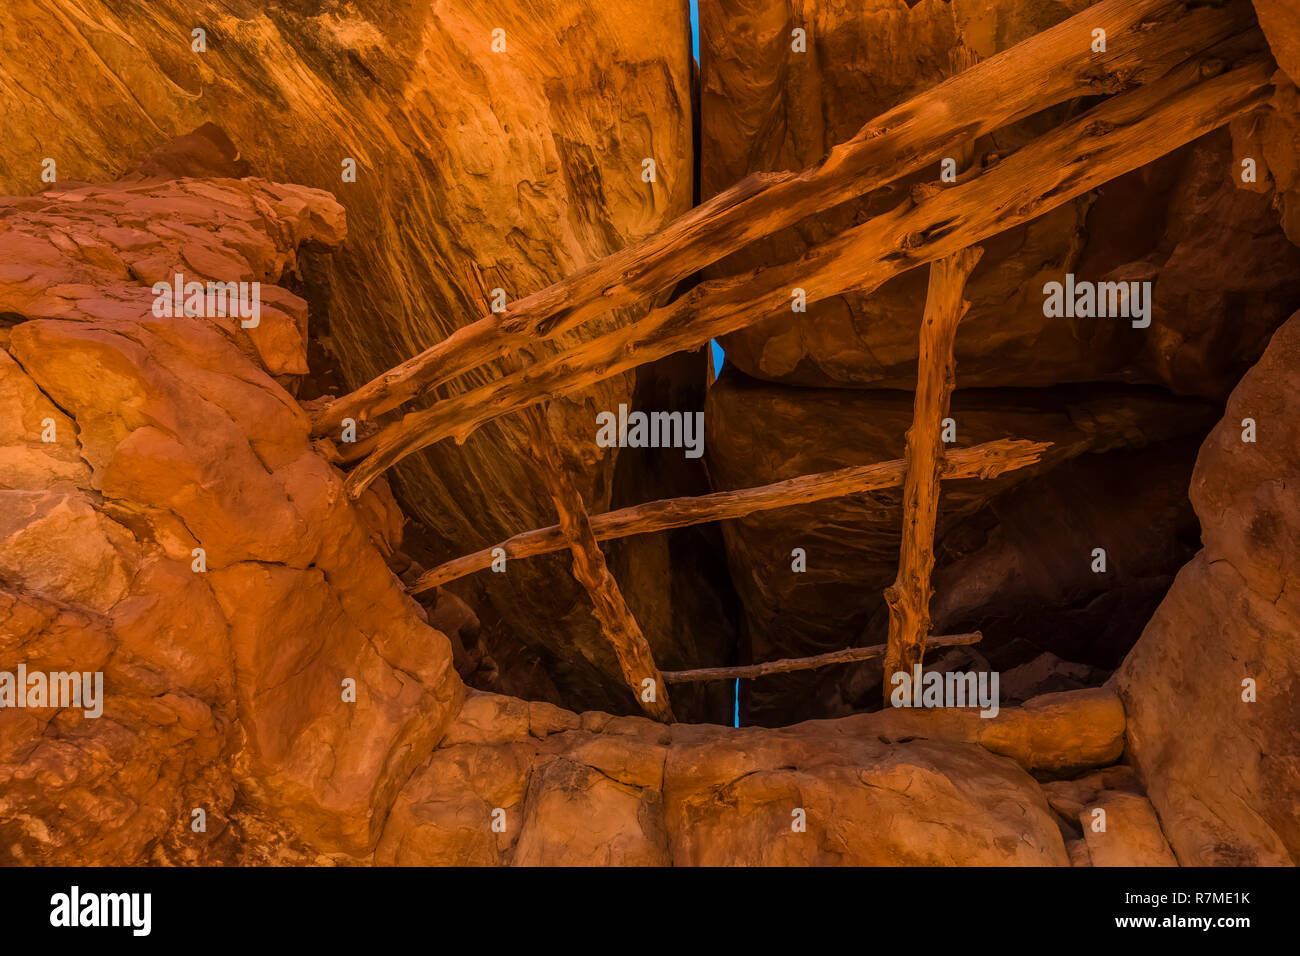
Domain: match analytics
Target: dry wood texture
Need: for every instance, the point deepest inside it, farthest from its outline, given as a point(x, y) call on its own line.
point(848, 655)
point(617, 623)
point(631, 648)
point(1145, 40)
point(909, 597)
point(1119, 135)
point(981, 461)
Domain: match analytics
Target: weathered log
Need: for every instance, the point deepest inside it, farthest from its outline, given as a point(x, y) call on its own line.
point(1124, 133)
point(609, 607)
point(632, 650)
point(1145, 40)
point(848, 655)
point(980, 461)
point(909, 596)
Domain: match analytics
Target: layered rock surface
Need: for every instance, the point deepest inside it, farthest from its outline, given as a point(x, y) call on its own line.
point(519, 153)
point(893, 788)
point(166, 520)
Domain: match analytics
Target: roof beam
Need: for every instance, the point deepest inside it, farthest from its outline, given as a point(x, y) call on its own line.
point(1145, 39)
point(1119, 135)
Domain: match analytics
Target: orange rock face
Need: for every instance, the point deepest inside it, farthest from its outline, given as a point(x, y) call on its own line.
point(891, 788)
point(167, 521)
point(511, 138)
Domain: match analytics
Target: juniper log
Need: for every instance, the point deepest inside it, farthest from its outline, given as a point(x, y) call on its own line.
point(631, 649)
point(1145, 39)
point(980, 461)
point(1119, 135)
point(909, 596)
point(848, 655)
point(609, 607)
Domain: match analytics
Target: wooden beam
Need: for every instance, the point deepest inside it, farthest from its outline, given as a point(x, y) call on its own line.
point(1122, 134)
point(1145, 40)
point(609, 607)
point(909, 596)
point(849, 654)
point(631, 649)
point(981, 461)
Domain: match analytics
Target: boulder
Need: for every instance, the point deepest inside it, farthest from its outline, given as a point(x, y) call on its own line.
point(1128, 835)
point(1277, 18)
point(1210, 686)
point(178, 532)
point(892, 788)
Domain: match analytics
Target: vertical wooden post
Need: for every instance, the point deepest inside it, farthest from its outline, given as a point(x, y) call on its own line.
point(631, 648)
point(909, 597)
point(617, 623)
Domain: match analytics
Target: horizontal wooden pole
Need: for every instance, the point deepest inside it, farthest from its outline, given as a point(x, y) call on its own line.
point(846, 656)
point(1116, 137)
point(1144, 40)
point(980, 461)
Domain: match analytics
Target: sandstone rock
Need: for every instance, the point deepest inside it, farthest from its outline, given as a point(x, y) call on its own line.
point(166, 518)
point(236, 668)
point(1014, 570)
point(1273, 140)
point(526, 162)
point(865, 803)
point(1132, 835)
point(190, 443)
point(93, 253)
point(234, 672)
point(889, 788)
point(26, 414)
point(1047, 673)
point(1223, 771)
point(1277, 18)
point(1060, 733)
point(1070, 797)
